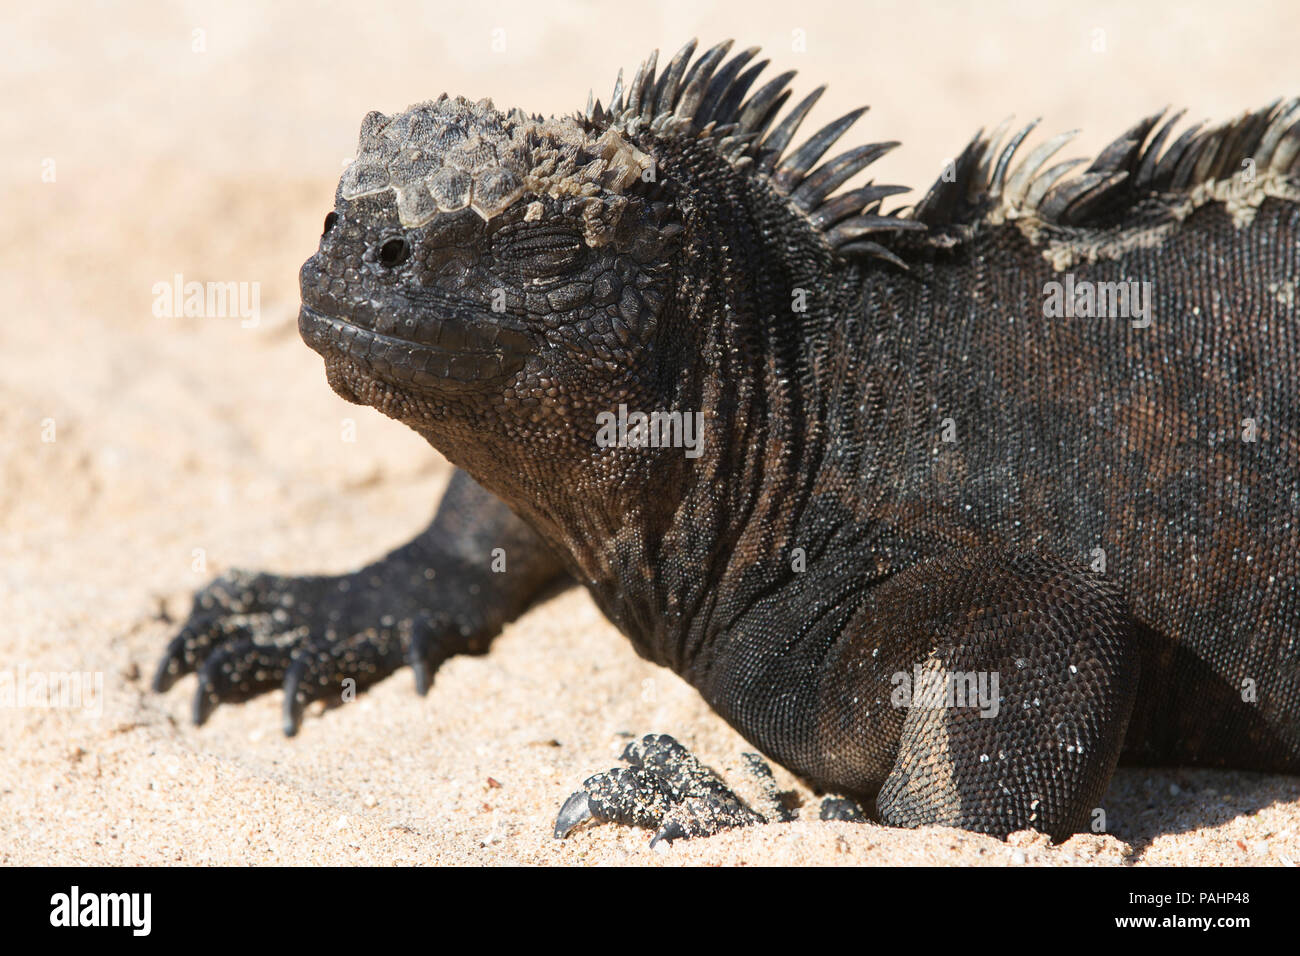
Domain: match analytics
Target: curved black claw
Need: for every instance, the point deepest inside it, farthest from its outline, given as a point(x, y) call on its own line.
point(179, 660)
point(425, 653)
point(238, 671)
point(235, 607)
point(575, 812)
point(321, 669)
point(199, 638)
point(666, 789)
point(670, 831)
point(295, 697)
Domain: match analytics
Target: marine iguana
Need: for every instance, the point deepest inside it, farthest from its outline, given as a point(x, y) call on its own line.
point(991, 492)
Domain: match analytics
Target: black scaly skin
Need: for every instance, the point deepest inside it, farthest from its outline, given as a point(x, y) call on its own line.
point(828, 538)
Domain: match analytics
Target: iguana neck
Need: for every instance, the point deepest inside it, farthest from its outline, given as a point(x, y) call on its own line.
point(664, 541)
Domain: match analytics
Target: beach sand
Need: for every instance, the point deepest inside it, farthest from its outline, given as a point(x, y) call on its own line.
point(142, 454)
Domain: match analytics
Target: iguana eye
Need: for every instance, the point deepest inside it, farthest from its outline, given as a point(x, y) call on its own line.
point(394, 252)
point(330, 219)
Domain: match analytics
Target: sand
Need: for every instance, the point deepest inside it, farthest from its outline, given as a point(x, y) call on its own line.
point(140, 454)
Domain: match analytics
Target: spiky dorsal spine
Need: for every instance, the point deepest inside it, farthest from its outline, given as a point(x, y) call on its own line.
point(1257, 155)
point(708, 96)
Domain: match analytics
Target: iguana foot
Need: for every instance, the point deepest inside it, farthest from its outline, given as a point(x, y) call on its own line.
point(665, 788)
point(251, 633)
point(444, 592)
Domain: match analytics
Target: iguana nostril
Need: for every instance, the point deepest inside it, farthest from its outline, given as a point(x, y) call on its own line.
point(330, 220)
point(394, 252)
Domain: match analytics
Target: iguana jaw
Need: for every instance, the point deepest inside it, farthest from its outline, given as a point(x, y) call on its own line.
point(450, 353)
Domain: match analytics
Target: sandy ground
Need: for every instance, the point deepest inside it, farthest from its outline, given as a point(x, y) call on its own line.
point(185, 446)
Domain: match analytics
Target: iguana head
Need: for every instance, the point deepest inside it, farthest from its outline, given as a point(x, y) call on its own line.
point(482, 266)
point(484, 257)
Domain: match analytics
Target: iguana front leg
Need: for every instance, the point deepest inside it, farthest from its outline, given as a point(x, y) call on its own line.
point(436, 596)
point(980, 689)
point(1023, 672)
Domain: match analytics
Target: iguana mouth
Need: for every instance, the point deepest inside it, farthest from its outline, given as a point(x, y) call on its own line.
point(447, 350)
